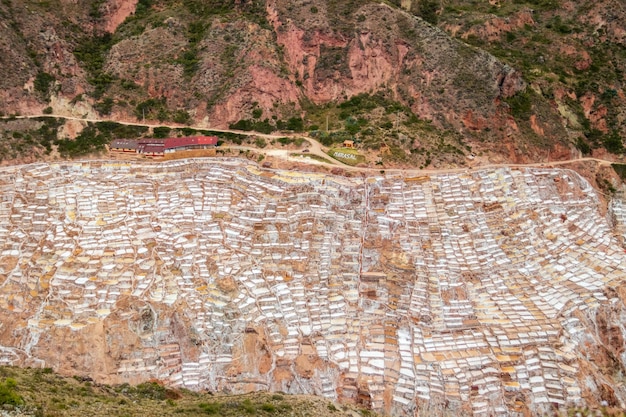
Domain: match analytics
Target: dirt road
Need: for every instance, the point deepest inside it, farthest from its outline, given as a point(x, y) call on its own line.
point(314, 148)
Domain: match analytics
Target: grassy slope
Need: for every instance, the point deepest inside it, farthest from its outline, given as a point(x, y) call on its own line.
point(44, 393)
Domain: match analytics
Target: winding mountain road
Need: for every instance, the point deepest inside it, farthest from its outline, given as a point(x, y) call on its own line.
point(315, 148)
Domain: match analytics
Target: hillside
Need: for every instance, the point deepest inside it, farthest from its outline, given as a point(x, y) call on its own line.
point(489, 292)
point(41, 392)
point(414, 83)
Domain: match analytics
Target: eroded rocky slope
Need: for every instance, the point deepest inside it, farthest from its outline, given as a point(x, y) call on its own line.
point(518, 81)
point(494, 292)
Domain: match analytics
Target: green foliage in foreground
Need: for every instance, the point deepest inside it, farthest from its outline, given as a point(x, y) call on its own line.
point(8, 394)
point(41, 392)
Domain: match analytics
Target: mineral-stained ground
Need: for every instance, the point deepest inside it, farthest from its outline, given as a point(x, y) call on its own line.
point(494, 291)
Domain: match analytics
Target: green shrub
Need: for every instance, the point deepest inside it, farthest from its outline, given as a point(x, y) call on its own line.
point(91, 52)
point(620, 169)
point(151, 390)
point(520, 105)
point(182, 117)
point(427, 10)
point(187, 131)
point(151, 109)
point(270, 408)
point(104, 107)
point(89, 141)
point(189, 60)
point(161, 132)
point(248, 407)
point(296, 124)
point(210, 408)
point(583, 146)
point(128, 84)
point(613, 143)
point(43, 82)
point(8, 394)
point(47, 110)
point(143, 7)
point(249, 125)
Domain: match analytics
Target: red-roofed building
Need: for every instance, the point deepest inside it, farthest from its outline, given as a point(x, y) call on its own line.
point(190, 142)
point(158, 147)
point(151, 147)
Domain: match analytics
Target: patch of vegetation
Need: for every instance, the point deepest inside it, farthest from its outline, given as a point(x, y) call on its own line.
point(541, 4)
point(189, 59)
point(210, 408)
point(161, 132)
point(182, 116)
point(295, 124)
point(253, 10)
point(153, 108)
point(378, 122)
point(331, 60)
point(620, 169)
point(91, 52)
point(330, 138)
point(557, 24)
point(42, 393)
point(8, 394)
point(613, 143)
point(43, 84)
point(143, 8)
point(227, 136)
point(150, 390)
point(251, 125)
point(104, 107)
point(89, 141)
point(583, 146)
point(289, 140)
point(427, 10)
point(521, 105)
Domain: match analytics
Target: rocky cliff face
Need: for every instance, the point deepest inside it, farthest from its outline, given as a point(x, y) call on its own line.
point(496, 292)
point(389, 49)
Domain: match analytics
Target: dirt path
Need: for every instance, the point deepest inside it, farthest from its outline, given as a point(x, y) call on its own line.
point(314, 148)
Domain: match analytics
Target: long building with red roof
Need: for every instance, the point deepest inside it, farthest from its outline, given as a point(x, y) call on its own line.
point(158, 147)
point(190, 142)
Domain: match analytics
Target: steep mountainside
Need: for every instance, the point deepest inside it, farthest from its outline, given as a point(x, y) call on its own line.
point(420, 83)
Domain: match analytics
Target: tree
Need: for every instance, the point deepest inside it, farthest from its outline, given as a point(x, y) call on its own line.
point(427, 10)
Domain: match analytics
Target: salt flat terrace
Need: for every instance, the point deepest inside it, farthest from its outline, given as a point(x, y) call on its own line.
point(459, 291)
